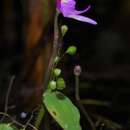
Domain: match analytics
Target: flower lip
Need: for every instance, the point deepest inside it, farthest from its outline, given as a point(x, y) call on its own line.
point(83, 19)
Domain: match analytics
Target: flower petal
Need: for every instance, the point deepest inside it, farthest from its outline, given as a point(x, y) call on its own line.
point(58, 4)
point(83, 19)
point(67, 7)
point(82, 11)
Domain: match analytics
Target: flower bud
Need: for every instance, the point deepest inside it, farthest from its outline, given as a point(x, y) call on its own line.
point(52, 85)
point(60, 83)
point(64, 29)
point(71, 50)
point(77, 70)
point(56, 60)
point(57, 72)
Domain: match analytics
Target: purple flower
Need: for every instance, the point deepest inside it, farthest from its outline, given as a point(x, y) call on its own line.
point(67, 8)
point(77, 70)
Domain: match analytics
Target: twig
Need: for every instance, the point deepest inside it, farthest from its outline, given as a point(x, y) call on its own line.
point(28, 122)
point(7, 95)
point(16, 122)
point(77, 96)
point(32, 126)
point(108, 122)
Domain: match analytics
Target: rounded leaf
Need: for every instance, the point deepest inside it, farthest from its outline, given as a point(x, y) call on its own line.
point(62, 110)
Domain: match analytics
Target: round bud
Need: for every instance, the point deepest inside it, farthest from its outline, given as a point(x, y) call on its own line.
point(57, 72)
point(71, 50)
point(60, 83)
point(52, 85)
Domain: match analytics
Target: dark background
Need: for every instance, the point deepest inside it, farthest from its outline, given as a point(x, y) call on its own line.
point(103, 53)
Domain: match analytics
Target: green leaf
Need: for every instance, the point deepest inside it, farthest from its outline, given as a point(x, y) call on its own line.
point(62, 110)
point(4, 126)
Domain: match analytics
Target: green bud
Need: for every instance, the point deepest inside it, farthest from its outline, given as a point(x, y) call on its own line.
point(71, 50)
point(60, 83)
point(57, 72)
point(64, 29)
point(52, 85)
point(57, 59)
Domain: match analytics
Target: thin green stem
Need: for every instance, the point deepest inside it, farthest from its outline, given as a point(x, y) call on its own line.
point(50, 68)
point(54, 53)
point(77, 96)
point(77, 88)
point(40, 116)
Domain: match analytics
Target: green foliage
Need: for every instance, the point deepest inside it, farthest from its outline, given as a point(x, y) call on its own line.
point(4, 126)
point(62, 110)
